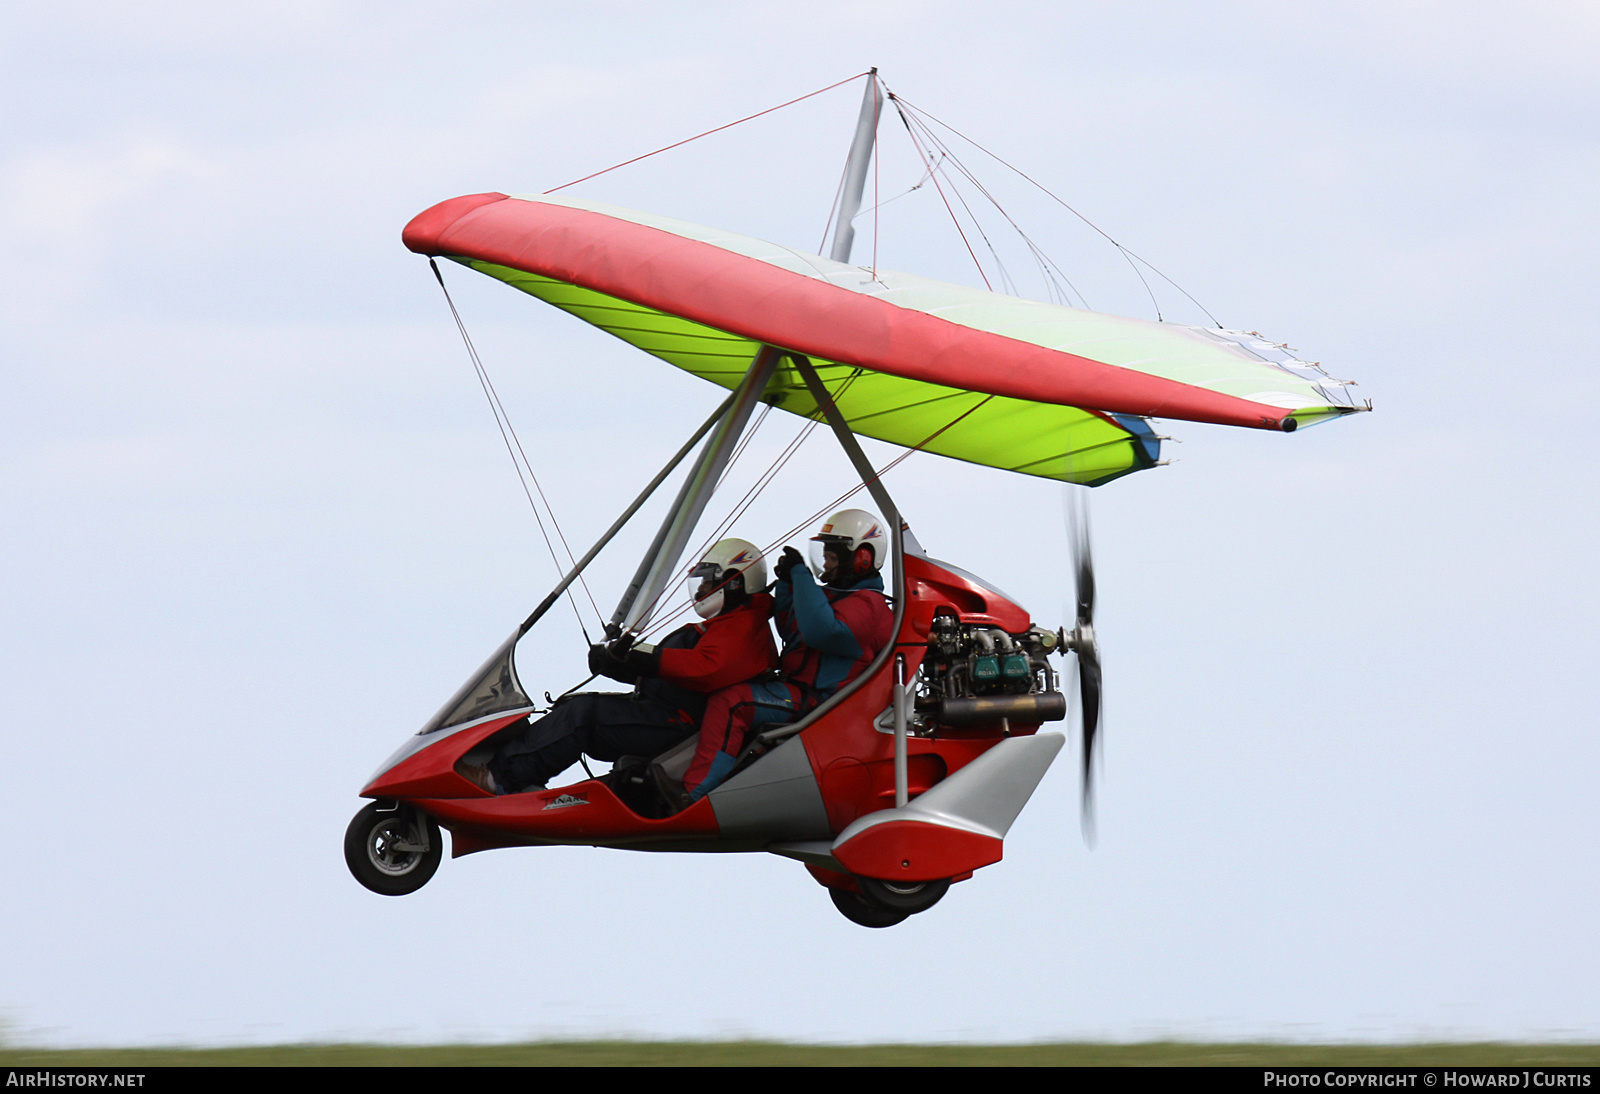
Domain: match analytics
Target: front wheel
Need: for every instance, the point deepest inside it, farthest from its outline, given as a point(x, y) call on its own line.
point(393, 850)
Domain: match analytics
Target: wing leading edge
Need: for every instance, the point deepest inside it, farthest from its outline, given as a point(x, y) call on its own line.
point(1021, 385)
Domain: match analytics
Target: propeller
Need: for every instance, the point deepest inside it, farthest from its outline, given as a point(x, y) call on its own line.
point(1081, 641)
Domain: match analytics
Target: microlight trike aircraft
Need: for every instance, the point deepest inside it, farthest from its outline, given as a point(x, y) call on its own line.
point(907, 778)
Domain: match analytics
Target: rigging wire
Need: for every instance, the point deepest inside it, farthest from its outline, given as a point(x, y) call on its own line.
point(1050, 272)
point(508, 434)
point(877, 161)
point(934, 176)
point(740, 507)
point(890, 466)
point(1048, 268)
point(1128, 256)
point(680, 609)
point(743, 504)
point(722, 526)
point(920, 183)
point(907, 110)
point(1005, 276)
point(744, 442)
point(1048, 193)
point(773, 469)
point(832, 506)
point(708, 132)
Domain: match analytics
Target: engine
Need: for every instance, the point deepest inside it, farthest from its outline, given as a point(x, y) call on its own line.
point(978, 675)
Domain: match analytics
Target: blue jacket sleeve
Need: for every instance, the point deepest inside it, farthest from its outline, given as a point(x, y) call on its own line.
point(819, 627)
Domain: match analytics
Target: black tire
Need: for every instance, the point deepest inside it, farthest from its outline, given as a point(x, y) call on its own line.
point(372, 848)
point(857, 909)
point(909, 897)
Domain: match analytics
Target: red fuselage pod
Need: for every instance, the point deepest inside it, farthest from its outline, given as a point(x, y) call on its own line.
point(811, 788)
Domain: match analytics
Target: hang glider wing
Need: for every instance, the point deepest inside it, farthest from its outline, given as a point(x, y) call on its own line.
point(1021, 385)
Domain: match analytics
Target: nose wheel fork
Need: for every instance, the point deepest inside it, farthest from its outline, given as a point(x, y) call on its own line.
point(392, 849)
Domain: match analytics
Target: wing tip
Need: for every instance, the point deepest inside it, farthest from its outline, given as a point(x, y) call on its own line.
point(425, 230)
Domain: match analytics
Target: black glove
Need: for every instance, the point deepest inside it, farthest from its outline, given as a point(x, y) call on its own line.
point(602, 662)
point(641, 663)
point(791, 558)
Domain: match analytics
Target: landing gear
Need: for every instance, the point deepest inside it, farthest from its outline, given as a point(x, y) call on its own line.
point(857, 909)
point(885, 903)
point(392, 849)
point(910, 897)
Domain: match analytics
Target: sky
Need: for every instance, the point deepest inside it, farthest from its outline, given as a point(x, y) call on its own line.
point(259, 523)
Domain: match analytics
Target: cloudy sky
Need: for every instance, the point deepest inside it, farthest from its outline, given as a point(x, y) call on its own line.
point(258, 522)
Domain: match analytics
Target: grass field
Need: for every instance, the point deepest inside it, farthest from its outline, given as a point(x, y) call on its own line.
point(762, 1053)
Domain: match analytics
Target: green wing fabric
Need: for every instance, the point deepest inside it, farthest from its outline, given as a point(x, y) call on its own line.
point(1032, 438)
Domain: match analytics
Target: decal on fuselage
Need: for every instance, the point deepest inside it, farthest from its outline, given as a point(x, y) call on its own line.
point(565, 800)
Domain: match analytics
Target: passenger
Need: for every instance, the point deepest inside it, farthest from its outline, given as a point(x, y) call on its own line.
point(672, 680)
point(830, 635)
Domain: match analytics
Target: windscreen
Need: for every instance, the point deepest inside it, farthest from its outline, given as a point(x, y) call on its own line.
point(493, 689)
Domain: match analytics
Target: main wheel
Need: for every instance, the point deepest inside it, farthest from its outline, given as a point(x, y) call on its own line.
point(858, 909)
point(393, 851)
point(909, 897)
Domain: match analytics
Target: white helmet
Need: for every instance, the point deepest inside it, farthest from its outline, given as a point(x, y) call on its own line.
point(738, 555)
point(845, 532)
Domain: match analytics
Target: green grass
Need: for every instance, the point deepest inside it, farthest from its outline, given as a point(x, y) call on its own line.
point(764, 1053)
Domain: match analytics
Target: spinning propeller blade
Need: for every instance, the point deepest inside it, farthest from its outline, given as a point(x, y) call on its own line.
point(1082, 641)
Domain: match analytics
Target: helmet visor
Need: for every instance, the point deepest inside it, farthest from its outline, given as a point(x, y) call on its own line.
point(704, 571)
point(839, 546)
point(702, 581)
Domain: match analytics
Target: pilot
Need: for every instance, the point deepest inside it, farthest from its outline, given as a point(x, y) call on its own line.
point(831, 633)
point(672, 680)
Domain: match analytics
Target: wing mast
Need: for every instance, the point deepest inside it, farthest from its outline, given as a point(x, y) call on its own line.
point(855, 171)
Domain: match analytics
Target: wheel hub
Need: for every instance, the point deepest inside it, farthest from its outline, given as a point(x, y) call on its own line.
point(384, 848)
